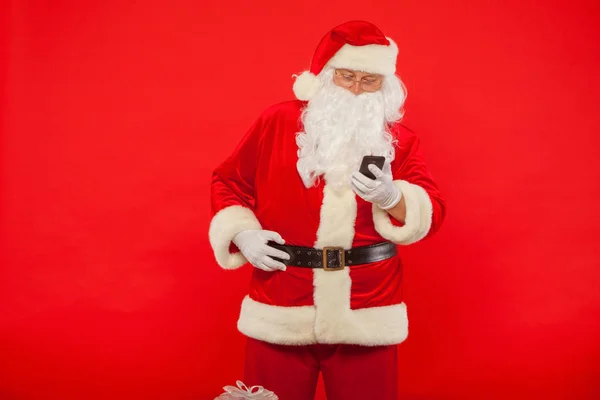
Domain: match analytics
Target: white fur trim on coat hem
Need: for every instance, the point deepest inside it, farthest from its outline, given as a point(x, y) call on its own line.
point(419, 211)
point(223, 227)
point(374, 326)
point(276, 324)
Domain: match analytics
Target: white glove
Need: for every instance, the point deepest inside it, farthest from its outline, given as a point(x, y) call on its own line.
point(381, 190)
point(253, 245)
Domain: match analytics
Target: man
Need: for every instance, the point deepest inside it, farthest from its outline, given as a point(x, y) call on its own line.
point(325, 294)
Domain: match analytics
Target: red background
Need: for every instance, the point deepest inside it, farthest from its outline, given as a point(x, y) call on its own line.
point(114, 114)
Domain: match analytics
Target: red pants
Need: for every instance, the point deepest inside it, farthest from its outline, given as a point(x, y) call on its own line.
point(349, 372)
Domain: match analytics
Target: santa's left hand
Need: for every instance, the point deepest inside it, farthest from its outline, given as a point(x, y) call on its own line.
point(381, 190)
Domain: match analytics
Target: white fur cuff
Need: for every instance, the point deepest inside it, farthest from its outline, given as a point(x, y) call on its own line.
point(419, 211)
point(224, 226)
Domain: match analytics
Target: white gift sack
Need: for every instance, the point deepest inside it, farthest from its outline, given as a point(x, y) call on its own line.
point(242, 392)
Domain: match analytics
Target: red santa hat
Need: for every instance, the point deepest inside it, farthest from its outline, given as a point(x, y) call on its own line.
point(356, 45)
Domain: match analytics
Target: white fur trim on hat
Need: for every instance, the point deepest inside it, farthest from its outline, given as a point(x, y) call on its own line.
point(306, 85)
point(373, 58)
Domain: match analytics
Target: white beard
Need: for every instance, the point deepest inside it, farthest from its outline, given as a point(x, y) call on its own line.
point(339, 129)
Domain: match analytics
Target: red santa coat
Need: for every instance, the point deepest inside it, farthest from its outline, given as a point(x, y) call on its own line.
point(258, 187)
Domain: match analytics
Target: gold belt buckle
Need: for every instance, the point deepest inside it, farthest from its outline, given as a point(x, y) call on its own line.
point(340, 251)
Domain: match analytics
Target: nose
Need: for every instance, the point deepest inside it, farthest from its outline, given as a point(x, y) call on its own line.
point(355, 88)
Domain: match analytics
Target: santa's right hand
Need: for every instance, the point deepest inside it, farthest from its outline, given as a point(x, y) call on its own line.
point(253, 245)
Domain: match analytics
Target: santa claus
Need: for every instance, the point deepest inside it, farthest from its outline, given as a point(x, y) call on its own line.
point(324, 239)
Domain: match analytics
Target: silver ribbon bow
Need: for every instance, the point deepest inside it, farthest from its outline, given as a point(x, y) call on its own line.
point(244, 392)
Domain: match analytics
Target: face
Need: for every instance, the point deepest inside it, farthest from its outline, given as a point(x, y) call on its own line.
point(356, 81)
point(340, 127)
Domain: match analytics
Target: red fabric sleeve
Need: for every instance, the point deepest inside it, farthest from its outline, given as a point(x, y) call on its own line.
point(232, 197)
point(425, 208)
point(411, 167)
point(233, 180)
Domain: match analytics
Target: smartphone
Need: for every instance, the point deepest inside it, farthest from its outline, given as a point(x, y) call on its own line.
point(364, 166)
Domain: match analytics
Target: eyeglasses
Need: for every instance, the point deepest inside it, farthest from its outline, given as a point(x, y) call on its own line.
point(367, 84)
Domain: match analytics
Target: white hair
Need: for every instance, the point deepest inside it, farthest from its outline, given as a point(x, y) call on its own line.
point(340, 128)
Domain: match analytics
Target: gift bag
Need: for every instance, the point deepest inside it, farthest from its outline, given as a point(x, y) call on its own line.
point(242, 392)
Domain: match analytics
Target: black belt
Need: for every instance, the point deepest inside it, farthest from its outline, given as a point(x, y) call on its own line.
point(335, 258)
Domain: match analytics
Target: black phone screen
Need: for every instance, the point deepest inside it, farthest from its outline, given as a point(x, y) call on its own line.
point(364, 166)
